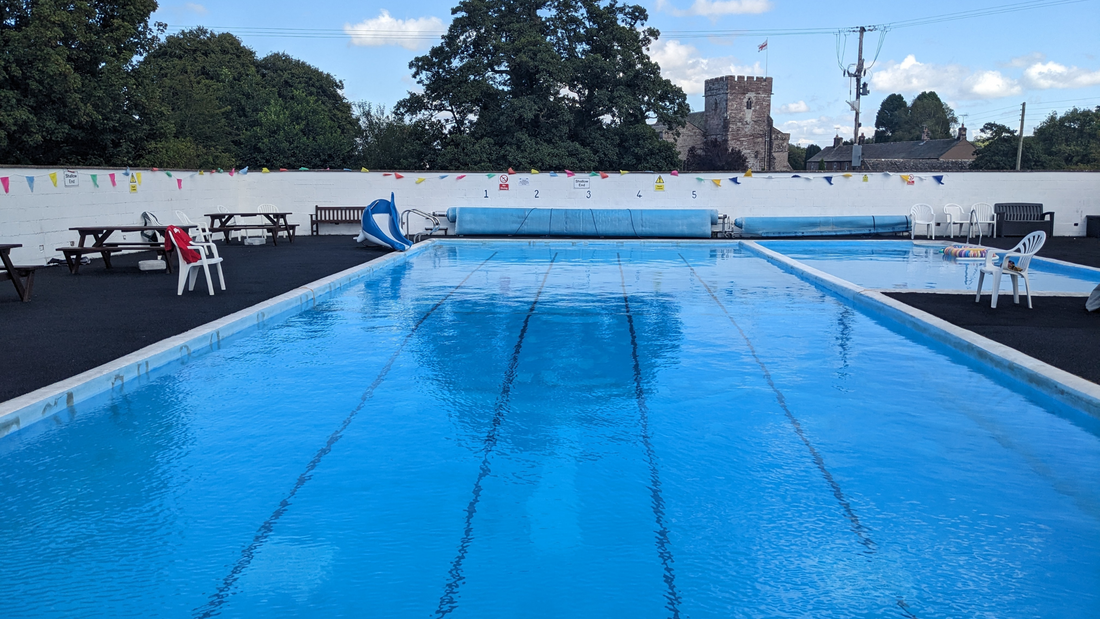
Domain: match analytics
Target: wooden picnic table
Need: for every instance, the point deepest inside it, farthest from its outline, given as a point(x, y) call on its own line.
point(276, 222)
point(21, 276)
point(100, 244)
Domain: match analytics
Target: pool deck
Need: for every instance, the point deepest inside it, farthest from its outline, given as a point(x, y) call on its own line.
point(74, 323)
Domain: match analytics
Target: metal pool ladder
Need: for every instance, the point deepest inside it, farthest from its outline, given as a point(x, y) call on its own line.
point(431, 217)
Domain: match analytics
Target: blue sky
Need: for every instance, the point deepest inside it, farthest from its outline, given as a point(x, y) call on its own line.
point(983, 66)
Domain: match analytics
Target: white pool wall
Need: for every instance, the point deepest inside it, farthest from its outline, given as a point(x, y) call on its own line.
point(41, 219)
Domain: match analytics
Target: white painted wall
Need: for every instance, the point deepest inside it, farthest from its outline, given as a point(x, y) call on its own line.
point(41, 220)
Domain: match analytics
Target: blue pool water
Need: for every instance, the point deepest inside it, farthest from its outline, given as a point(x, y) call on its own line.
point(561, 430)
point(908, 265)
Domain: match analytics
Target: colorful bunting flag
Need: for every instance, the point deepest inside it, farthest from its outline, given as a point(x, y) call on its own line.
point(460, 177)
point(244, 170)
point(511, 171)
point(179, 183)
point(200, 173)
point(282, 169)
point(420, 180)
point(303, 169)
point(735, 180)
point(138, 175)
point(127, 172)
point(53, 178)
point(865, 178)
point(748, 173)
point(796, 176)
point(938, 178)
point(443, 176)
point(700, 178)
point(621, 172)
point(112, 177)
point(4, 181)
point(264, 171)
point(603, 174)
point(828, 179)
point(846, 175)
point(155, 169)
point(387, 174)
point(95, 180)
point(569, 173)
point(232, 171)
point(717, 182)
point(905, 178)
point(30, 183)
point(534, 171)
point(396, 175)
point(554, 174)
point(675, 173)
point(491, 175)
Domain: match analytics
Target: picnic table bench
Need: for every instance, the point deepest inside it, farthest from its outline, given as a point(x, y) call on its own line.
point(334, 215)
point(21, 276)
point(99, 236)
point(276, 223)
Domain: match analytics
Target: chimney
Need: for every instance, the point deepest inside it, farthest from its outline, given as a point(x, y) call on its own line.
point(924, 137)
point(962, 133)
point(838, 141)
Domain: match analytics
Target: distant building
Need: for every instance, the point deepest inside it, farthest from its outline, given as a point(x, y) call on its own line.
point(737, 114)
point(947, 155)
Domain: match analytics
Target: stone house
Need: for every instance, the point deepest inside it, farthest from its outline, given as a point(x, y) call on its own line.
point(737, 113)
point(948, 155)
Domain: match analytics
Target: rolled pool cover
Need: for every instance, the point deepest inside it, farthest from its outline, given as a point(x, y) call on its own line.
point(822, 226)
point(511, 221)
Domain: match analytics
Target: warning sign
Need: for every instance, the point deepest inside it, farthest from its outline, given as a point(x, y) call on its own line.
point(659, 184)
point(503, 181)
point(133, 184)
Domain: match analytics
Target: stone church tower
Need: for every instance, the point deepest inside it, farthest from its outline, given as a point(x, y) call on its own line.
point(738, 114)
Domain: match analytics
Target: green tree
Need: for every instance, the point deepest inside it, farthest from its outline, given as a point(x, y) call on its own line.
point(390, 142)
point(796, 157)
point(997, 150)
point(1070, 141)
point(68, 92)
point(546, 83)
point(714, 156)
point(812, 150)
point(892, 115)
point(898, 122)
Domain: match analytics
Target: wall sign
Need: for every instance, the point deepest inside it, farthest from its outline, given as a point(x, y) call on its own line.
point(659, 184)
point(71, 178)
point(582, 183)
point(503, 181)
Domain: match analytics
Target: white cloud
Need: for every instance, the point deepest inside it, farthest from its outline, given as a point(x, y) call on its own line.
point(821, 130)
point(683, 66)
point(949, 81)
point(385, 30)
point(715, 8)
point(1053, 75)
point(195, 8)
point(794, 108)
point(1026, 60)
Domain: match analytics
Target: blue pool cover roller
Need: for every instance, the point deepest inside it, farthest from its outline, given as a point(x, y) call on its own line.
point(583, 222)
point(380, 225)
point(822, 226)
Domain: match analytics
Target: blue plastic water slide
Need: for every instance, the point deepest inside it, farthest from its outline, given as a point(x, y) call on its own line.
point(380, 226)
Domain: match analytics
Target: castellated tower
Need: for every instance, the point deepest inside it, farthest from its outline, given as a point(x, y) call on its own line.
point(738, 115)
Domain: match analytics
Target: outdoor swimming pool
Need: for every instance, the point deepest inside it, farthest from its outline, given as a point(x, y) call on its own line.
point(921, 265)
point(561, 430)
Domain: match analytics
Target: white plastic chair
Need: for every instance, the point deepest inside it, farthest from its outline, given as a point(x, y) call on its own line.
point(955, 217)
point(985, 216)
point(200, 233)
point(189, 271)
point(922, 215)
point(1018, 257)
point(270, 208)
point(235, 234)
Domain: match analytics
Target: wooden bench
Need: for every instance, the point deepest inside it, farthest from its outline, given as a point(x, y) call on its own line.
point(1022, 218)
point(73, 254)
point(334, 215)
point(24, 275)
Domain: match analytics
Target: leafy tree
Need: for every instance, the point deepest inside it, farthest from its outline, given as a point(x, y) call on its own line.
point(892, 115)
point(797, 156)
point(389, 142)
point(68, 92)
point(997, 151)
point(812, 150)
point(898, 122)
point(1070, 141)
point(546, 83)
point(715, 156)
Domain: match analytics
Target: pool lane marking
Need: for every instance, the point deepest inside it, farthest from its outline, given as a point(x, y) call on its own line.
point(221, 596)
point(663, 551)
point(447, 602)
point(857, 526)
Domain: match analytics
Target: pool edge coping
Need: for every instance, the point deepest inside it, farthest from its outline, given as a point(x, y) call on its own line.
point(1059, 384)
point(44, 402)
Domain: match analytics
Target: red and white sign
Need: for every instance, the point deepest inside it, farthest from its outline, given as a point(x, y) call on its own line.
point(503, 182)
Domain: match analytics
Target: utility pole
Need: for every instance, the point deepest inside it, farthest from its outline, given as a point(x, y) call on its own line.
point(1020, 147)
point(858, 74)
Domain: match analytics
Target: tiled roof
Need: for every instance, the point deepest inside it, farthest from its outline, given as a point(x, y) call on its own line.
point(928, 149)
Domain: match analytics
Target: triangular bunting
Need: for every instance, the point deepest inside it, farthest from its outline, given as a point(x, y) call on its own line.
point(534, 171)
point(95, 180)
point(112, 177)
point(4, 180)
point(735, 180)
point(675, 173)
point(53, 178)
point(179, 183)
point(938, 178)
point(364, 170)
point(30, 183)
point(138, 175)
point(621, 172)
point(511, 171)
point(460, 177)
point(748, 173)
point(443, 176)
point(828, 179)
point(717, 182)
point(420, 180)
point(265, 171)
point(244, 170)
point(569, 173)
point(396, 175)
point(603, 174)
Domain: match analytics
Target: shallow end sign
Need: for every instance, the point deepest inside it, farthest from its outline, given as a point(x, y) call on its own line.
point(582, 183)
point(71, 178)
